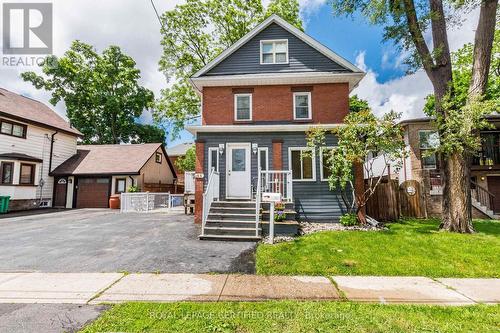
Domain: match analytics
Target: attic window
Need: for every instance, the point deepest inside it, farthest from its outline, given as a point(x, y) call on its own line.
point(274, 51)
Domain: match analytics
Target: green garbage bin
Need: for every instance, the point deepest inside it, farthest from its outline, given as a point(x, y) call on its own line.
point(4, 204)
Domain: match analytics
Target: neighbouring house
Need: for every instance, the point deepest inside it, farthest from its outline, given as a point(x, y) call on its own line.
point(174, 153)
point(33, 141)
point(259, 97)
point(95, 172)
point(423, 166)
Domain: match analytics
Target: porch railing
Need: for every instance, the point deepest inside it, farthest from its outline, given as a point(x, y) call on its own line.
point(277, 181)
point(483, 196)
point(189, 182)
point(210, 195)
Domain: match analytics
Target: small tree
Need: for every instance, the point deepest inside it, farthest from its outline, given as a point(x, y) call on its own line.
point(188, 161)
point(362, 138)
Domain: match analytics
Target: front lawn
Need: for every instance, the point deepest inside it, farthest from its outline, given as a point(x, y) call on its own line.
point(410, 248)
point(288, 316)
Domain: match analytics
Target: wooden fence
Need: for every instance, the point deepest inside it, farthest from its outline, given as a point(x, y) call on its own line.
point(163, 188)
point(392, 201)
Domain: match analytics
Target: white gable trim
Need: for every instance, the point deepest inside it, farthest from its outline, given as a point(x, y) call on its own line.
point(290, 28)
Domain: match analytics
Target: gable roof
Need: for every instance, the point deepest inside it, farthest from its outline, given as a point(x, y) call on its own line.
point(28, 110)
point(290, 28)
point(109, 159)
point(180, 149)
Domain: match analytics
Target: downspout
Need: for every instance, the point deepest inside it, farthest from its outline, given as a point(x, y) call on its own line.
point(132, 179)
point(51, 150)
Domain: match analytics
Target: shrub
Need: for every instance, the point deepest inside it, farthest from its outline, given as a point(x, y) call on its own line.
point(349, 219)
point(132, 189)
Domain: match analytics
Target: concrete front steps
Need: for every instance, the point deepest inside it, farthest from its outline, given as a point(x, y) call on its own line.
point(232, 220)
point(484, 210)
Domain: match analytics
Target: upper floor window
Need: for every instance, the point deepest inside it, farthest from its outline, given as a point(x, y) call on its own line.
point(158, 157)
point(428, 140)
point(274, 51)
point(243, 107)
point(302, 106)
point(13, 129)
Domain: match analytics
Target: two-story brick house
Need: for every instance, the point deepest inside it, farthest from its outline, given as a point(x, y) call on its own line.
point(259, 97)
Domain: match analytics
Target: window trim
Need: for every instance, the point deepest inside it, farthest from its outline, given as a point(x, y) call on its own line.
point(309, 105)
point(158, 160)
point(262, 41)
point(116, 185)
point(32, 175)
point(210, 150)
point(11, 170)
point(236, 106)
point(423, 150)
point(260, 149)
point(322, 178)
point(313, 157)
point(13, 123)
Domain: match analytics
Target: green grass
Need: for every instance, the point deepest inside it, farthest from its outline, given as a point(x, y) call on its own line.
point(288, 316)
point(411, 247)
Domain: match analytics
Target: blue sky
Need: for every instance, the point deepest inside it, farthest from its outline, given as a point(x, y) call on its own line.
point(132, 25)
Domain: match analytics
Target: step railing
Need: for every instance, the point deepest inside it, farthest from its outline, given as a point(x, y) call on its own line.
point(257, 204)
point(276, 181)
point(210, 195)
point(483, 196)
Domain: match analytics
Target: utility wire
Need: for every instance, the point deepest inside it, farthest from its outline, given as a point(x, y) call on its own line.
point(156, 11)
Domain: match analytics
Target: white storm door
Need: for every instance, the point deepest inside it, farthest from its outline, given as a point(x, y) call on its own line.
point(238, 174)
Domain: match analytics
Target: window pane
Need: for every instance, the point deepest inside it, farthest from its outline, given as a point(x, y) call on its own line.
point(213, 160)
point(263, 160)
point(280, 57)
point(238, 159)
point(296, 168)
point(242, 107)
point(307, 167)
point(243, 101)
point(243, 114)
point(6, 128)
point(18, 130)
point(267, 47)
point(267, 58)
point(301, 112)
point(280, 47)
point(26, 174)
point(102, 180)
point(326, 165)
point(6, 173)
point(429, 162)
point(428, 139)
point(121, 185)
point(302, 100)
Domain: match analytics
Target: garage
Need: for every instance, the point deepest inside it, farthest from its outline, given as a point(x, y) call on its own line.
point(93, 192)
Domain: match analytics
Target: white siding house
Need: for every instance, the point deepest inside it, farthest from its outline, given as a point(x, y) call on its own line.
point(33, 141)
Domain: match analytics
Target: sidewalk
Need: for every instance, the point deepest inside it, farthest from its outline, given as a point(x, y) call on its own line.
point(95, 288)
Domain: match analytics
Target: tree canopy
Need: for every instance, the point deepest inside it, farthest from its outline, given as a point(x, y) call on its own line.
point(188, 161)
point(101, 92)
point(193, 34)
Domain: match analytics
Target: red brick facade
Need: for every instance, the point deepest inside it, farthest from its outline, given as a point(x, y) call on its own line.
point(329, 103)
point(277, 155)
point(198, 186)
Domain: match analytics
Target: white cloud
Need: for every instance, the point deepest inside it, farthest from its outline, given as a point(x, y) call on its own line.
point(407, 94)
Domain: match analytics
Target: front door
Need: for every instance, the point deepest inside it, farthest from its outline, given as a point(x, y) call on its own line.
point(60, 191)
point(238, 175)
point(494, 188)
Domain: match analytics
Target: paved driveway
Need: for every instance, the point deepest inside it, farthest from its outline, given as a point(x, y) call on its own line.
point(102, 240)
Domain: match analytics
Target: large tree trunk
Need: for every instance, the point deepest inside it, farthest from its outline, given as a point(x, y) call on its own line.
point(457, 215)
point(483, 42)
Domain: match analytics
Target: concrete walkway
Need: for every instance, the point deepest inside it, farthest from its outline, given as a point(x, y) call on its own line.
point(96, 288)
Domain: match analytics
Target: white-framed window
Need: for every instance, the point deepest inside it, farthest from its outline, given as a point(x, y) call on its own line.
point(303, 166)
point(302, 106)
point(428, 140)
point(324, 167)
point(242, 107)
point(213, 159)
point(274, 51)
point(263, 156)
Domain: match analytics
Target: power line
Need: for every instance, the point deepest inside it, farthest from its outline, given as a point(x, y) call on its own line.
point(156, 11)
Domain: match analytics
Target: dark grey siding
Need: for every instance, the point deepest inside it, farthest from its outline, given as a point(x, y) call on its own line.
point(313, 199)
point(302, 57)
